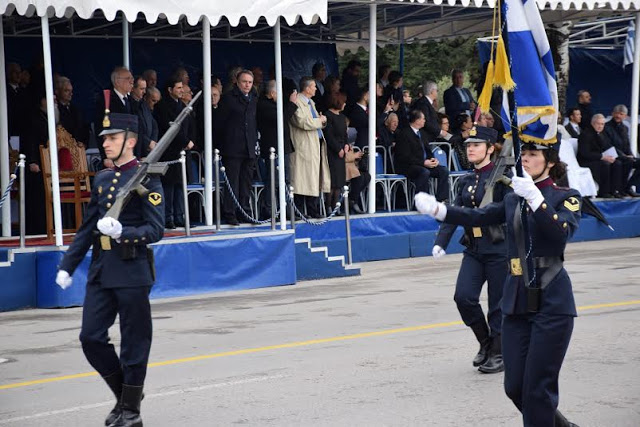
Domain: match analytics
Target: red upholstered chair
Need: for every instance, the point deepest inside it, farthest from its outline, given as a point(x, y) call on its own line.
point(74, 176)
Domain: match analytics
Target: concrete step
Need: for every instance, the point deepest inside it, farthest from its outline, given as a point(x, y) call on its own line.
point(314, 262)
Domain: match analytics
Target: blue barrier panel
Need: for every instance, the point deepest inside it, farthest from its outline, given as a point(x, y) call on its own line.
point(51, 295)
point(18, 284)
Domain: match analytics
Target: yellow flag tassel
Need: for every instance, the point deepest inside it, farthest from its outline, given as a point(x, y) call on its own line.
point(502, 72)
point(484, 102)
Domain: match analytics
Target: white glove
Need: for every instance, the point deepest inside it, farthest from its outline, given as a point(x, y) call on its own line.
point(427, 204)
point(438, 252)
point(63, 279)
point(110, 227)
point(526, 188)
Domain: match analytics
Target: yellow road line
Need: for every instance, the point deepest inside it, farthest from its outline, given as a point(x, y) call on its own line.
point(292, 345)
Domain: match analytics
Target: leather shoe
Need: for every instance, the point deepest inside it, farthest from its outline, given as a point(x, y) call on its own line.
point(618, 195)
point(170, 225)
point(231, 220)
point(353, 207)
point(483, 353)
point(494, 363)
point(632, 193)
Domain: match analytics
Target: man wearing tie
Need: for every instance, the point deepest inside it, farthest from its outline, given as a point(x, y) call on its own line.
point(414, 159)
point(120, 102)
point(458, 99)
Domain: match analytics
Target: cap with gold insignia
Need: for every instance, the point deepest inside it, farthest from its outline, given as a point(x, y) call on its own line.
point(119, 122)
point(482, 134)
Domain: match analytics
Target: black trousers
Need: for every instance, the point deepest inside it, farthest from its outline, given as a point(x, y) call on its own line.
point(420, 176)
point(607, 175)
point(312, 203)
point(474, 271)
point(358, 184)
point(628, 164)
point(240, 175)
point(101, 305)
point(173, 201)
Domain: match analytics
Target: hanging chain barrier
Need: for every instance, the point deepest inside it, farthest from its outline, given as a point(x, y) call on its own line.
point(12, 179)
point(309, 221)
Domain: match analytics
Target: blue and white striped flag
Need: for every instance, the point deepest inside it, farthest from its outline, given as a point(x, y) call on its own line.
point(629, 45)
point(536, 92)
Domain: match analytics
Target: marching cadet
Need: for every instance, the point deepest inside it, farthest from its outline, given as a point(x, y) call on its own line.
point(121, 272)
point(485, 256)
point(538, 306)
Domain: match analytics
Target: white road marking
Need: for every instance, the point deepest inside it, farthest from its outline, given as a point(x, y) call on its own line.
point(147, 396)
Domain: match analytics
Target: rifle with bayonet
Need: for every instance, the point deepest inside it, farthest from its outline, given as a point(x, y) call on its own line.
point(505, 160)
point(150, 166)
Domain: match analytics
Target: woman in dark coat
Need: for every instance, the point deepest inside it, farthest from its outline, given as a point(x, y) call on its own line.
point(335, 134)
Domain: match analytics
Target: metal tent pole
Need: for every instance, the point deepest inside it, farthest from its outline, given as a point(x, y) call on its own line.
point(372, 106)
point(208, 137)
point(280, 123)
point(125, 43)
point(635, 87)
point(4, 137)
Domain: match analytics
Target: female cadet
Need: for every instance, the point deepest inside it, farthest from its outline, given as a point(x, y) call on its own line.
point(485, 256)
point(537, 305)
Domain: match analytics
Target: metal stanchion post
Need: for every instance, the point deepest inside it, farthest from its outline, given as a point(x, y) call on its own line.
point(292, 211)
point(347, 224)
point(216, 164)
point(272, 185)
point(22, 201)
point(183, 166)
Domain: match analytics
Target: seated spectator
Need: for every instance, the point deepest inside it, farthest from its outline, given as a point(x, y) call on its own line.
point(462, 128)
point(573, 127)
point(335, 133)
point(605, 168)
point(413, 158)
point(387, 137)
point(458, 99)
point(358, 179)
point(70, 116)
point(359, 118)
point(309, 166)
point(618, 134)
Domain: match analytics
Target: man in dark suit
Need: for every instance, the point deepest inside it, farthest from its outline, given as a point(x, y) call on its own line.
point(18, 103)
point(573, 127)
point(584, 104)
point(70, 116)
point(349, 82)
point(239, 140)
point(359, 118)
point(414, 159)
point(458, 99)
point(119, 102)
point(618, 134)
point(165, 112)
point(606, 169)
point(120, 275)
point(425, 104)
point(147, 125)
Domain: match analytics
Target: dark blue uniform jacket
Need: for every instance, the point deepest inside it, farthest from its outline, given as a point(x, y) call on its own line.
point(142, 222)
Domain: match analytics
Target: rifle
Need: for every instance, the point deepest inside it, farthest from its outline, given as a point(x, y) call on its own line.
point(150, 166)
point(505, 160)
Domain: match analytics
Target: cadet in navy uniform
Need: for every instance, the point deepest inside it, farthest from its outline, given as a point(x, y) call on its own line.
point(121, 272)
point(485, 256)
point(538, 315)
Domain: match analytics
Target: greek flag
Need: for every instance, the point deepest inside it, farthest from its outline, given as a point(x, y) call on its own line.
point(536, 92)
point(629, 45)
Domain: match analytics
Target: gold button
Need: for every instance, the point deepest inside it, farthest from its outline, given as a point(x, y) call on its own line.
point(135, 240)
point(118, 174)
point(564, 225)
point(108, 205)
point(544, 206)
point(115, 181)
point(126, 240)
point(112, 188)
point(555, 216)
point(109, 196)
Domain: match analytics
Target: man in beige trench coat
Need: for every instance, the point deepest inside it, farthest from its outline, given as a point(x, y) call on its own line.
point(309, 165)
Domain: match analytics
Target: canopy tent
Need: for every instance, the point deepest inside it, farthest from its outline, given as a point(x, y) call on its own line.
point(346, 21)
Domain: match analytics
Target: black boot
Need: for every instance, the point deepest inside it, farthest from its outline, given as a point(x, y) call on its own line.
point(130, 404)
point(494, 363)
point(114, 381)
point(481, 331)
point(561, 421)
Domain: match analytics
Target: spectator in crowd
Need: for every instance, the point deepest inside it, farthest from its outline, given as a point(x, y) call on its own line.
point(151, 77)
point(575, 118)
point(335, 134)
point(349, 81)
point(319, 74)
point(216, 127)
point(387, 137)
point(489, 120)
point(239, 142)
point(32, 137)
point(618, 134)
point(331, 87)
point(359, 118)
point(383, 75)
point(458, 99)
point(414, 159)
point(215, 82)
point(461, 131)
point(593, 144)
point(232, 81)
point(426, 105)
point(25, 79)
point(70, 116)
point(17, 101)
point(147, 125)
point(357, 177)
point(165, 112)
point(119, 102)
point(584, 104)
point(258, 78)
point(394, 88)
point(267, 114)
point(152, 97)
point(183, 74)
point(309, 165)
